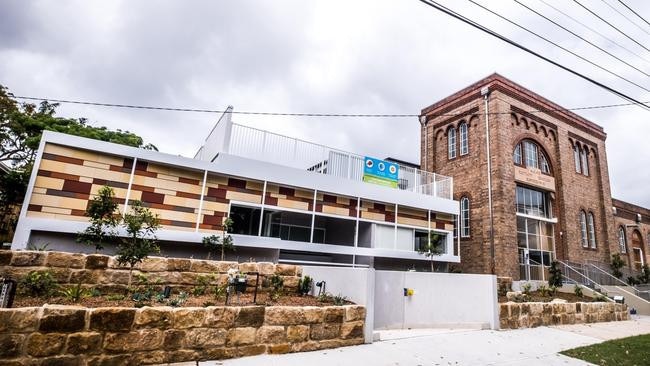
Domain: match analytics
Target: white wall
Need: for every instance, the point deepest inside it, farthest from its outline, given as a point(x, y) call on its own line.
point(440, 300)
point(357, 284)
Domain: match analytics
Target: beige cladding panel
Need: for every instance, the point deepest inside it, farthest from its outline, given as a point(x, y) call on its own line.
point(55, 201)
point(166, 184)
point(119, 192)
point(181, 201)
point(372, 216)
point(175, 215)
point(84, 171)
point(93, 164)
point(216, 180)
point(412, 222)
point(335, 210)
point(215, 206)
point(39, 190)
point(254, 185)
point(56, 216)
point(245, 197)
point(304, 193)
point(56, 210)
point(84, 155)
point(173, 173)
point(49, 183)
point(298, 205)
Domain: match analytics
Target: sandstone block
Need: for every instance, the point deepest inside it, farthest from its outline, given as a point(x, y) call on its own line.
point(250, 316)
point(241, 336)
point(18, 320)
point(66, 260)
point(285, 315)
point(290, 282)
point(355, 312)
point(154, 264)
point(112, 319)
point(189, 317)
point(109, 360)
point(60, 275)
point(248, 267)
point(150, 317)
point(28, 258)
point(5, 257)
point(83, 343)
point(181, 356)
point(324, 331)
point(266, 268)
point(173, 339)
point(96, 261)
point(223, 267)
point(178, 264)
point(114, 264)
point(305, 346)
point(205, 338)
point(44, 344)
point(148, 358)
point(115, 277)
point(297, 333)
point(271, 334)
point(330, 343)
point(142, 340)
point(253, 350)
point(60, 361)
point(285, 270)
point(278, 349)
point(334, 314)
point(352, 329)
point(85, 276)
point(62, 319)
point(220, 316)
point(11, 344)
point(204, 266)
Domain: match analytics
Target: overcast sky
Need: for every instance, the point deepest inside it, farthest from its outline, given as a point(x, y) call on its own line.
point(328, 56)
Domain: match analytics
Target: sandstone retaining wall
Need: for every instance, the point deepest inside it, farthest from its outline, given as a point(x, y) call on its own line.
point(514, 315)
point(67, 335)
point(103, 271)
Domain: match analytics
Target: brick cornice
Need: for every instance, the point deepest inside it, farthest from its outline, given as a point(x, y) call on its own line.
point(466, 113)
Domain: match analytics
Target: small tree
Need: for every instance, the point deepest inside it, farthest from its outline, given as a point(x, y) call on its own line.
point(644, 277)
point(434, 246)
point(140, 225)
point(616, 264)
point(103, 219)
point(215, 243)
point(555, 275)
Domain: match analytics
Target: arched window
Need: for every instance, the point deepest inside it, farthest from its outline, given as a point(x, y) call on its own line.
point(576, 157)
point(585, 162)
point(592, 230)
point(530, 155)
point(451, 143)
point(464, 144)
point(622, 242)
point(583, 229)
point(464, 217)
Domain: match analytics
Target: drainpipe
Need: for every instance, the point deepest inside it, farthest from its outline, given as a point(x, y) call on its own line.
point(485, 92)
point(423, 123)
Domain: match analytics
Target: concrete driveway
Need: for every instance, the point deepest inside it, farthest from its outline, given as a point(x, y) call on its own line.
point(537, 346)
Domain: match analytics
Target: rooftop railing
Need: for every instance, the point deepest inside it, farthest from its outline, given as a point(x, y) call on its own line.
point(263, 145)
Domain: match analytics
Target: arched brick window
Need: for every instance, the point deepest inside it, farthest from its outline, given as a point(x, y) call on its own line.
point(583, 229)
point(622, 241)
point(529, 154)
point(464, 144)
point(592, 230)
point(464, 218)
point(451, 143)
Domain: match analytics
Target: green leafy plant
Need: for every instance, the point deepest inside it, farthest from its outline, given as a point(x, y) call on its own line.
point(277, 287)
point(75, 293)
point(434, 247)
point(141, 225)
point(325, 297)
point(644, 277)
point(220, 291)
point(577, 290)
point(38, 247)
point(616, 264)
point(202, 284)
point(102, 211)
point(543, 290)
point(632, 281)
point(179, 300)
point(305, 285)
point(600, 298)
point(39, 283)
point(115, 297)
point(555, 275)
point(221, 243)
point(339, 300)
point(552, 290)
point(526, 288)
point(95, 292)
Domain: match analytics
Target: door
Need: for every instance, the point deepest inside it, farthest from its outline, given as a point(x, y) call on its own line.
point(637, 250)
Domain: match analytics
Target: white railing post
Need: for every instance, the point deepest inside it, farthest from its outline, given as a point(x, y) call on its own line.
point(435, 189)
point(349, 164)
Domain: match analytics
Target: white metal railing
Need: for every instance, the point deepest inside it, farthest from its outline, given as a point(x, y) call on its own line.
point(263, 145)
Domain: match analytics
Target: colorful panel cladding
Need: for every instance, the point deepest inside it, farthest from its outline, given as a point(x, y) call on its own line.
point(67, 179)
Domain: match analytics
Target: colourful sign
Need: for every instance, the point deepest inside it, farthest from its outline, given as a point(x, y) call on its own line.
point(380, 172)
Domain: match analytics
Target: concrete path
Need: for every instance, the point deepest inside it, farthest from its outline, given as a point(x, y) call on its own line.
point(530, 347)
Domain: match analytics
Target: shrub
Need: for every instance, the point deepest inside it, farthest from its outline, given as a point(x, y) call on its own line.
point(202, 283)
point(178, 300)
point(616, 264)
point(75, 293)
point(304, 285)
point(339, 300)
point(141, 225)
point(277, 286)
point(115, 297)
point(577, 290)
point(526, 288)
point(215, 243)
point(103, 219)
point(543, 290)
point(555, 275)
point(644, 277)
point(39, 283)
point(632, 281)
point(552, 290)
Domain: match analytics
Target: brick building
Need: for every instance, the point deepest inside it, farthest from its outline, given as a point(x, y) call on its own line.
point(547, 194)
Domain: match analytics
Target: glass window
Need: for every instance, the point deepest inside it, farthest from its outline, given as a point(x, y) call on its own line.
point(532, 202)
point(585, 162)
point(621, 240)
point(335, 230)
point(451, 143)
point(464, 217)
point(530, 149)
point(245, 220)
point(583, 229)
point(544, 164)
point(464, 144)
point(592, 230)
point(516, 156)
point(576, 157)
point(289, 226)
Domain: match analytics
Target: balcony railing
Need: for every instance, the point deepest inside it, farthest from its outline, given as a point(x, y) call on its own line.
point(263, 145)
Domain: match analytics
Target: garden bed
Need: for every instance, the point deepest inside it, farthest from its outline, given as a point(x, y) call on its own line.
point(538, 296)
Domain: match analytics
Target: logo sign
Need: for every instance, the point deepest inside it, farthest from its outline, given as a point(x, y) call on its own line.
point(380, 172)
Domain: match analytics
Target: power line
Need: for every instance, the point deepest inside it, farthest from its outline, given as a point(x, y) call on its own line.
point(580, 37)
point(595, 31)
point(625, 16)
point(608, 23)
point(635, 13)
point(466, 20)
point(356, 115)
point(559, 46)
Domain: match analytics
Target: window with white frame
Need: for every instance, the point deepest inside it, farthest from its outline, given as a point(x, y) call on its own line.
point(516, 156)
point(592, 230)
point(585, 162)
point(576, 157)
point(530, 149)
point(583, 229)
point(464, 218)
point(451, 143)
point(530, 155)
point(464, 144)
point(622, 241)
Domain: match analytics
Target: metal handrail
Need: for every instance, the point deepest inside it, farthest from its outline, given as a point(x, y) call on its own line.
point(589, 280)
point(608, 274)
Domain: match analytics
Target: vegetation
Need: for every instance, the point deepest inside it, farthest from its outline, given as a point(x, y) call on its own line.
point(616, 264)
point(555, 275)
point(620, 352)
point(75, 293)
point(304, 285)
point(577, 290)
point(141, 225)
point(37, 247)
point(526, 288)
point(277, 287)
point(644, 277)
point(103, 219)
point(434, 247)
point(221, 243)
point(39, 283)
point(338, 300)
